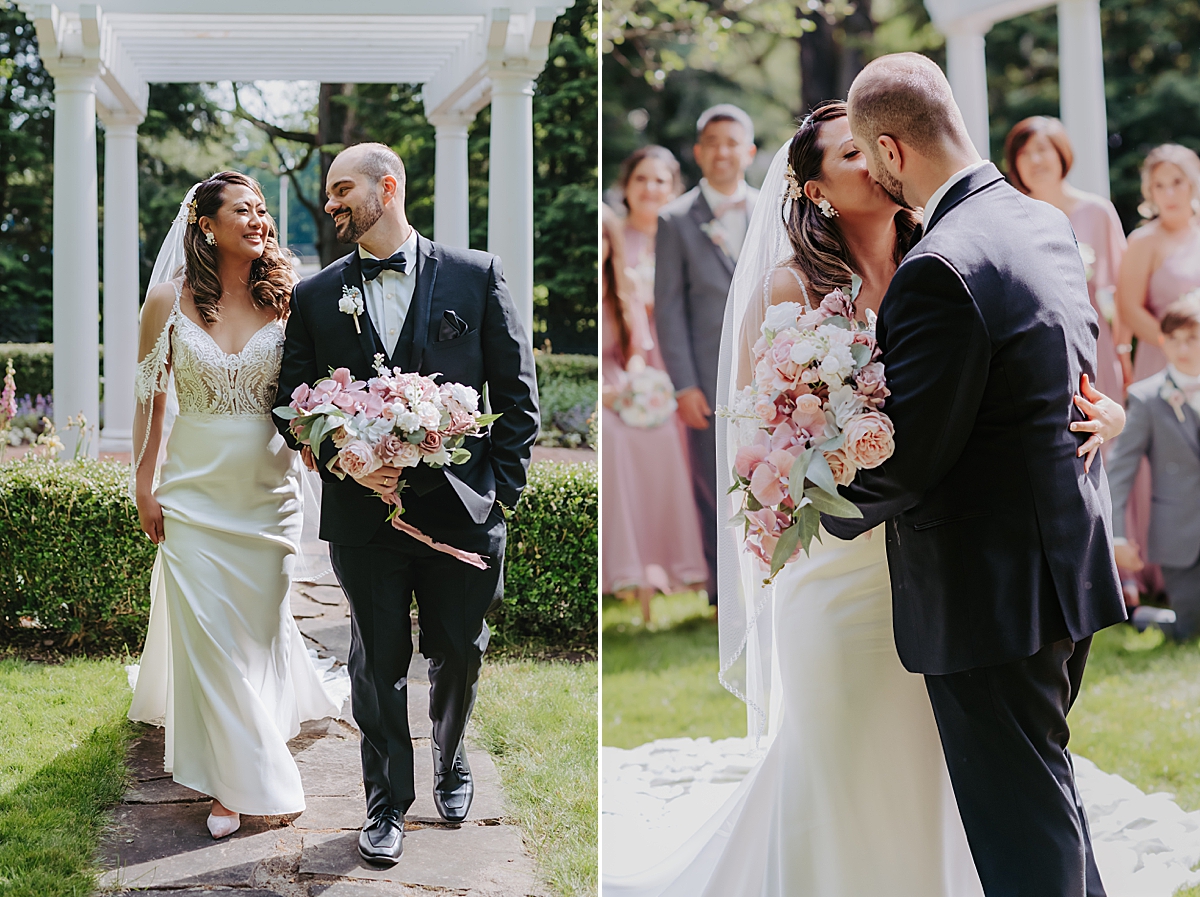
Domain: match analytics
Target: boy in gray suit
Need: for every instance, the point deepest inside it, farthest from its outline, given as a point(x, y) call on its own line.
point(1163, 424)
point(699, 239)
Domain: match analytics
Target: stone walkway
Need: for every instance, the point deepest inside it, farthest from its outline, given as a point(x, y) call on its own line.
point(158, 840)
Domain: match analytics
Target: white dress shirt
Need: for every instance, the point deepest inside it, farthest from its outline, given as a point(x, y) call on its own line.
point(730, 211)
point(940, 193)
point(389, 295)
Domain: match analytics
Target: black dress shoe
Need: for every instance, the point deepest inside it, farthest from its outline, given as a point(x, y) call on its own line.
point(453, 786)
point(381, 840)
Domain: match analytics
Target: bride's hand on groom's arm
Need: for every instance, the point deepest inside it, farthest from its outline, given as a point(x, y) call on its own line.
point(1106, 420)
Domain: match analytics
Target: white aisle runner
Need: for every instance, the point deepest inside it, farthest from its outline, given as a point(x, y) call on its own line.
point(656, 796)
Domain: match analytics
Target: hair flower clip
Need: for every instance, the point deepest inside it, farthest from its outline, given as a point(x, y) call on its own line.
point(795, 190)
point(192, 212)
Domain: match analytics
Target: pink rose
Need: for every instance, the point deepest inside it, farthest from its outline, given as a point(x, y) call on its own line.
point(867, 338)
point(461, 421)
point(838, 303)
point(766, 409)
point(769, 482)
point(408, 455)
point(766, 526)
point(841, 466)
point(388, 448)
point(869, 440)
point(358, 459)
point(809, 415)
point(432, 442)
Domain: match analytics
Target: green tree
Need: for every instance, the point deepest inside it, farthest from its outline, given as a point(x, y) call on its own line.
point(26, 177)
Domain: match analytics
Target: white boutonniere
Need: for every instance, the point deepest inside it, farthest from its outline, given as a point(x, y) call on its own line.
point(351, 303)
point(1173, 396)
point(716, 232)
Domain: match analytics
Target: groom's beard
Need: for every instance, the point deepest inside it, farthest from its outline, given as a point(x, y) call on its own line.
point(360, 220)
point(891, 186)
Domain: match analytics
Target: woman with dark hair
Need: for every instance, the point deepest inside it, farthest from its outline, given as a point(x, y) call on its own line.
point(224, 667)
point(651, 531)
point(649, 179)
point(1039, 156)
point(852, 796)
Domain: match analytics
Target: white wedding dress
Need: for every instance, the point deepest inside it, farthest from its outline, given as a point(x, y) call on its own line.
point(224, 667)
point(851, 797)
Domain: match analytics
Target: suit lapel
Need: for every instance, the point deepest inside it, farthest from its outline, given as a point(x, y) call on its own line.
point(367, 338)
point(702, 214)
point(972, 183)
point(1190, 425)
point(419, 309)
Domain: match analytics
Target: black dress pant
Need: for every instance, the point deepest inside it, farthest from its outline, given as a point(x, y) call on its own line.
point(380, 580)
point(1004, 732)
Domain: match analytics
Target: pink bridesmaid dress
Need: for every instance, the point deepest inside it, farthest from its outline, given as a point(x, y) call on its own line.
point(1098, 228)
point(1178, 275)
point(651, 529)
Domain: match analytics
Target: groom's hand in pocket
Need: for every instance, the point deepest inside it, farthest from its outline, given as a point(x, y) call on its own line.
point(384, 480)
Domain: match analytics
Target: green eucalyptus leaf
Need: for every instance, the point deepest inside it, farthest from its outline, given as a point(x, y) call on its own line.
point(796, 475)
point(784, 548)
point(832, 503)
point(820, 474)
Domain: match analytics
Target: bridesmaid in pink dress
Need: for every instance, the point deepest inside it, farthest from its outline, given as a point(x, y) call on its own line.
point(1162, 264)
point(651, 531)
point(1039, 155)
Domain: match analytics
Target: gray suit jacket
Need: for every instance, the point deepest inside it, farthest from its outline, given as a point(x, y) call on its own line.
point(1173, 446)
point(692, 276)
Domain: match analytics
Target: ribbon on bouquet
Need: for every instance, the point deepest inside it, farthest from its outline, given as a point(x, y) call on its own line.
point(467, 557)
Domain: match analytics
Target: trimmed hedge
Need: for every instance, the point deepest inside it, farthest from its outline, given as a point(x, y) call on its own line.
point(568, 388)
point(75, 566)
point(73, 559)
point(550, 575)
point(34, 366)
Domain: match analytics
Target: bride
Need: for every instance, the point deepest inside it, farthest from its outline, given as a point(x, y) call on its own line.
point(224, 667)
point(851, 796)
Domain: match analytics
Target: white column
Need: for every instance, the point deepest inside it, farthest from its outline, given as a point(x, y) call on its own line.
point(1081, 87)
point(510, 182)
point(120, 280)
point(76, 257)
point(966, 69)
point(451, 199)
point(282, 224)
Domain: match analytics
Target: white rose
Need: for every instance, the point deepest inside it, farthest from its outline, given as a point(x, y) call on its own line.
point(408, 421)
point(781, 316)
point(408, 456)
point(429, 415)
point(466, 396)
point(837, 365)
point(837, 336)
point(807, 349)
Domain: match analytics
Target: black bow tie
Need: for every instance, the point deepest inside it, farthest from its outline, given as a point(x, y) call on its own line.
point(371, 267)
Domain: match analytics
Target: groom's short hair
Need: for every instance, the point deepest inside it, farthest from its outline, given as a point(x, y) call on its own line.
point(377, 160)
point(725, 112)
point(906, 96)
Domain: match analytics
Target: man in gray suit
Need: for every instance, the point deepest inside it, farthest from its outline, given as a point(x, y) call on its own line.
point(699, 239)
point(1163, 424)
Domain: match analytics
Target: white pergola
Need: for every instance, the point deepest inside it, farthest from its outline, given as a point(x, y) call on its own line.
point(465, 54)
point(1080, 72)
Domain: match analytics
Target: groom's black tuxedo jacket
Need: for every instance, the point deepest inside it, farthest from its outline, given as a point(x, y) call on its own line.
point(461, 324)
point(998, 542)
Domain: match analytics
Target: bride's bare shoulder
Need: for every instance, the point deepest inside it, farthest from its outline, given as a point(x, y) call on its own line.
point(786, 284)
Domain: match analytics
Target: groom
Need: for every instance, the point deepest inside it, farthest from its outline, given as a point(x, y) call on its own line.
point(999, 544)
point(432, 309)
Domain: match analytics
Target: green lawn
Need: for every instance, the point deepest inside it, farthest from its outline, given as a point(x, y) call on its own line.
point(661, 681)
point(62, 749)
point(538, 720)
point(1138, 714)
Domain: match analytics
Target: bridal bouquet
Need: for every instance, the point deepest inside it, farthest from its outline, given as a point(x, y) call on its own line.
point(814, 398)
point(647, 397)
point(396, 419)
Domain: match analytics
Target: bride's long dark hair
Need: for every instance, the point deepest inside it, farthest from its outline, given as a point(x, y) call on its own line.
point(819, 249)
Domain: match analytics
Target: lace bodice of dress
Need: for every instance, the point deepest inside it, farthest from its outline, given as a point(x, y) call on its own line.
point(210, 381)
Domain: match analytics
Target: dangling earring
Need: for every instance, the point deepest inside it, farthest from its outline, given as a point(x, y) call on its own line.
point(827, 208)
point(210, 238)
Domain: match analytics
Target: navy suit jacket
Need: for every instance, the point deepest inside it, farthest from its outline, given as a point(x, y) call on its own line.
point(493, 351)
point(998, 542)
